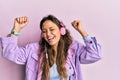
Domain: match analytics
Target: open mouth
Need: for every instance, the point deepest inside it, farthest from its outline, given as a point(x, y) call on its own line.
point(50, 39)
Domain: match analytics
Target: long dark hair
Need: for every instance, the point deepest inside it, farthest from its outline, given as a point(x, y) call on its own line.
point(62, 52)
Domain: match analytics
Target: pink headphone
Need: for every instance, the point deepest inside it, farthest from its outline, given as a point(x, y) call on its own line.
point(62, 29)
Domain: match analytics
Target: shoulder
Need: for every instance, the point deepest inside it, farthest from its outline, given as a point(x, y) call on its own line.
point(75, 44)
point(34, 45)
point(33, 50)
point(74, 47)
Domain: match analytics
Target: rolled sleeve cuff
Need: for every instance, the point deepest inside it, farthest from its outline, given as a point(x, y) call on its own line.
point(91, 39)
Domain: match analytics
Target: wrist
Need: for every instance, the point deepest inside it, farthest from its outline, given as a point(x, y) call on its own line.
point(83, 33)
point(15, 32)
point(16, 29)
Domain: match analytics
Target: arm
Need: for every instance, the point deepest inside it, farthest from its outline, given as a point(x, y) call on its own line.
point(91, 51)
point(12, 52)
point(10, 48)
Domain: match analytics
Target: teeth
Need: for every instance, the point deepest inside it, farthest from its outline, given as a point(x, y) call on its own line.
point(50, 38)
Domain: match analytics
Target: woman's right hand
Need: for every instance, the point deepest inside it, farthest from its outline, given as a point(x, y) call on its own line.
point(19, 23)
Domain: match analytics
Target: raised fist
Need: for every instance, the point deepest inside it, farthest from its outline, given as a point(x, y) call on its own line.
point(76, 24)
point(20, 22)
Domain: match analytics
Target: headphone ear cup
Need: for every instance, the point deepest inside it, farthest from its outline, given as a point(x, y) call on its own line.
point(62, 31)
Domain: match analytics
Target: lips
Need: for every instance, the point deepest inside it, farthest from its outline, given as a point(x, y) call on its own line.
point(51, 38)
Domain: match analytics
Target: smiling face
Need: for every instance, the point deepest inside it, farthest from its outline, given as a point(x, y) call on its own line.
point(51, 32)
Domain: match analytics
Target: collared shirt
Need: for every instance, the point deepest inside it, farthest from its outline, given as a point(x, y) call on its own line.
point(28, 55)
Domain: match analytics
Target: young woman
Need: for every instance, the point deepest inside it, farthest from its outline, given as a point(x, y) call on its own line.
point(56, 56)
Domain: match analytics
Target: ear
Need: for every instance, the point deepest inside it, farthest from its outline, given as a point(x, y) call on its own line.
point(62, 31)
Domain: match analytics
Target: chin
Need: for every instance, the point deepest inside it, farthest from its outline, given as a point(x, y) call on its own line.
point(52, 44)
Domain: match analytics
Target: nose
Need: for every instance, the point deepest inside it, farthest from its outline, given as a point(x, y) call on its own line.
point(48, 33)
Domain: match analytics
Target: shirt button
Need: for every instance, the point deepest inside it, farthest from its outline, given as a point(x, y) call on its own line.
point(73, 74)
point(91, 42)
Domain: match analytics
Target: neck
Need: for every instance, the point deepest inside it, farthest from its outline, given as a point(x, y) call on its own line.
point(55, 49)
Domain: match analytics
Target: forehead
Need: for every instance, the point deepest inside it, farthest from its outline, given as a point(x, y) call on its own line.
point(48, 24)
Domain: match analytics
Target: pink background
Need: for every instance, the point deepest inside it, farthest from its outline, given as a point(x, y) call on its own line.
point(100, 18)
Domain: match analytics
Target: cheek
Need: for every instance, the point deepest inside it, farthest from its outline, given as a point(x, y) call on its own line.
point(58, 34)
point(44, 36)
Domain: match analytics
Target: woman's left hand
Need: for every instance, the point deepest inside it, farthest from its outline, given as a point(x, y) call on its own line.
point(78, 26)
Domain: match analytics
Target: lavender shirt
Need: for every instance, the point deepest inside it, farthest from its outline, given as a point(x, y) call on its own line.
point(28, 55)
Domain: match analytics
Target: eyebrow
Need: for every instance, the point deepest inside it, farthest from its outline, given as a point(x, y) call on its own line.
point(49, 28)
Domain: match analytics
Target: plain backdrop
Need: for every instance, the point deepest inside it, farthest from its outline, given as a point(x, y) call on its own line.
point(100, 18)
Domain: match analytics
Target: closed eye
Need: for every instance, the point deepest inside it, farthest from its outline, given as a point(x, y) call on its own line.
point(43, 31)
point(52, 29)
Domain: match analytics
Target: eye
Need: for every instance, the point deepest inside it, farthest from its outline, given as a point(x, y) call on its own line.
point(52, 29)
point(43, 31)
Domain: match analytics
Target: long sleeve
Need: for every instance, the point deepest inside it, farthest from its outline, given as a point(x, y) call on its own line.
point(90, 52)
point(12, 51)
